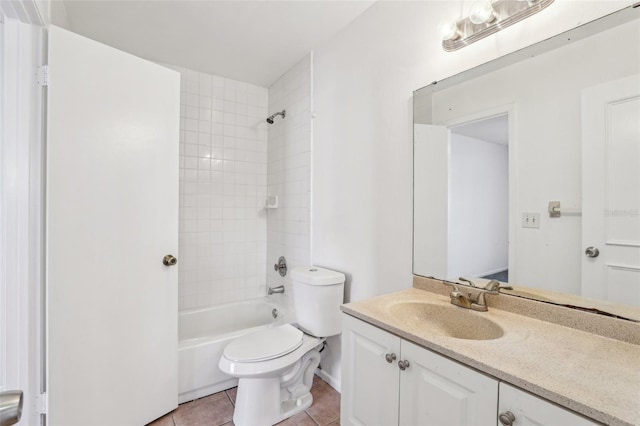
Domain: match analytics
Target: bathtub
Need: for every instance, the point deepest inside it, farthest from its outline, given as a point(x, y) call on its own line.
point(203, 335)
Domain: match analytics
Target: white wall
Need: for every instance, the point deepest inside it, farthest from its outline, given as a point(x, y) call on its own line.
point(223, 187)
point(478, 207)
point(362, 160)
point(289, 174)
point(363, 83)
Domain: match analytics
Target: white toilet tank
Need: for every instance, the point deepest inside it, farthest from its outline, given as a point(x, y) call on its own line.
point(317, 296)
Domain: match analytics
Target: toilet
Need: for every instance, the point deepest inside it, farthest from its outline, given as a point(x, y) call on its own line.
point(275, 366)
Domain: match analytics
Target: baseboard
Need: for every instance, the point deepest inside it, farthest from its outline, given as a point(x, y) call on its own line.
point(333, 382)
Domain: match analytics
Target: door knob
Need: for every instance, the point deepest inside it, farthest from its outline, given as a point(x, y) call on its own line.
point(390, 357)
point(507, 418)
point(10, 407)
point(169, 260)
point(592, 252)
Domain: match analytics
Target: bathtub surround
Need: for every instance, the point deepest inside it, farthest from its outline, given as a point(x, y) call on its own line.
point(289, 174)
point(223, 186)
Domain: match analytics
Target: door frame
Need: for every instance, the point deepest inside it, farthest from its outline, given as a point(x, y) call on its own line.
point(510, 111)
point(22, 292)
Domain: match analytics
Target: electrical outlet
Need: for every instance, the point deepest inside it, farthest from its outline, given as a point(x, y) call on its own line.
point(531, 220)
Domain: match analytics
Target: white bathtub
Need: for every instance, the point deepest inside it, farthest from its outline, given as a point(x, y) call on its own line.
point(203, 334)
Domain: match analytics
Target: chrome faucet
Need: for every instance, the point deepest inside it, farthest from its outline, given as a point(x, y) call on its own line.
point(470, 296)
point(272, 290)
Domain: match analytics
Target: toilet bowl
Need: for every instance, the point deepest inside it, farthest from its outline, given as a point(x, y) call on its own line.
point(275, 366)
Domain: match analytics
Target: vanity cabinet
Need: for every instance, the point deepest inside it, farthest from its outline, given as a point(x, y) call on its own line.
point(520, 408)
point(389, 381)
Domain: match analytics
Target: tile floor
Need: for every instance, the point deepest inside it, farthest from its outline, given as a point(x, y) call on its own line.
point(217, 410)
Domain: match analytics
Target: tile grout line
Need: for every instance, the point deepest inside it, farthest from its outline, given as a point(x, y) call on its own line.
point(311, 417)
point(230, 400)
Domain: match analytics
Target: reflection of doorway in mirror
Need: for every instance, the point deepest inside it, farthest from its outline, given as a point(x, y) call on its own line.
point(478, 217)
point(611, 190)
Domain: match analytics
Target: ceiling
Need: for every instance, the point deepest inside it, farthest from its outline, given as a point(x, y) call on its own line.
point(252, 41)
point(494, 130)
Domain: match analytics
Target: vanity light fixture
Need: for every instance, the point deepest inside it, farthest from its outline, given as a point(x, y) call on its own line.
point(486, 18)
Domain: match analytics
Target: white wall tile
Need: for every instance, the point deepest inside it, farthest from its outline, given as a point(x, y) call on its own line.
point(289, 171)
point(223, 226)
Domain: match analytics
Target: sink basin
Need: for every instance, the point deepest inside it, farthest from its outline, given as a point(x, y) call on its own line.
point(447, 320)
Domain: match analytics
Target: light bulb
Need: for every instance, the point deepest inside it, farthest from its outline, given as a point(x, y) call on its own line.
point(482, 12)
point(450, 31)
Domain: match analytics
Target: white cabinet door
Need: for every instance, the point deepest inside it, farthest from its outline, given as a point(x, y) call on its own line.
point(437, 391)
point(370, 384)
point(530, 410)
point(112, 214)
point(610, 194)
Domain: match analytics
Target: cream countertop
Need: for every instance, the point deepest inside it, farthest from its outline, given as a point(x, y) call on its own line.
point(593, 375)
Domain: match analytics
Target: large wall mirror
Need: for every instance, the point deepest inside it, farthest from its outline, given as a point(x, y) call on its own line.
point(527, 170)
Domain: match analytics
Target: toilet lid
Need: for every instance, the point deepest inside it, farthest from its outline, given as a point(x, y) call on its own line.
point(264, 344)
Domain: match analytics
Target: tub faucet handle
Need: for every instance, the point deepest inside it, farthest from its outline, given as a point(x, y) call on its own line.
point(281, 266)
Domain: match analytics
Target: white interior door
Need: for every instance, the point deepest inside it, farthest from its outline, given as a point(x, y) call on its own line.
point(430, 200)
point(112, 214)
point(611, 190)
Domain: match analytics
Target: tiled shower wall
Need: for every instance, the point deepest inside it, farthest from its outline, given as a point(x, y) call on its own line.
point(223, 187)
point(289, 172)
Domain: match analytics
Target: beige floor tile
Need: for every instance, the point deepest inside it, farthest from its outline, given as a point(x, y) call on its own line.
point(166, 420)
point(326, 405)
point(214, 410)
point(300, 419)
point(317, 381)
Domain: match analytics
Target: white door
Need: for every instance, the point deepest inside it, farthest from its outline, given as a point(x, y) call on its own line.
point(611, 191)
point(430, 199)
point(112, 214)
point(437, 391)
point(528, 410)
point(370, 383)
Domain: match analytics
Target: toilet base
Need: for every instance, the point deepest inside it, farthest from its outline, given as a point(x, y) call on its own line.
point(269, 400)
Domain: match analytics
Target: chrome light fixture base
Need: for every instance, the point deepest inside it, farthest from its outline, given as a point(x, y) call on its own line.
point(506, 13)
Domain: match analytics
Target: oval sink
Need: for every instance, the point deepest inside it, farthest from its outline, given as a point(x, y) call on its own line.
point(447, 320)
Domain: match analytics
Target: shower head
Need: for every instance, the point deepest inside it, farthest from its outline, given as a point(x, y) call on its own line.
point(283, 113)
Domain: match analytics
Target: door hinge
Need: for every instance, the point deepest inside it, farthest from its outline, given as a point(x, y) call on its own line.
point(43, 75)
point(42, 403)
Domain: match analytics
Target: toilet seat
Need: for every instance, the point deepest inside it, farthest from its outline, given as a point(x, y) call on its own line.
point(264, 345)
point(272, 367)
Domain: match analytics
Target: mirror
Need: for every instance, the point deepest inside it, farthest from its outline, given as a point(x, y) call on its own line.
point(527, 170)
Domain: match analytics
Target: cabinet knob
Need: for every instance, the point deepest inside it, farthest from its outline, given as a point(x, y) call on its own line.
point(403, 365)
point(507, 418)
point(169, 260)
point(390, 357)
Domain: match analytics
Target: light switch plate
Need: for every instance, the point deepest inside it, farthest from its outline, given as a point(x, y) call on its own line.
point(531, 220)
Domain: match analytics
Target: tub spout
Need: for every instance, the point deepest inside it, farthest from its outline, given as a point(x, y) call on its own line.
point(272, 290)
